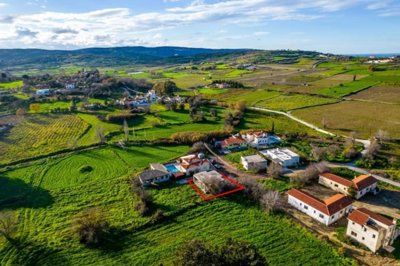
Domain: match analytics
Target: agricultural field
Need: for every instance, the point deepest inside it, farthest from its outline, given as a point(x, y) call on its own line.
point(294, 101)
point(384, 94)
point(362, 117)
point(47, 107)
point(36, 135)
point(11, 85)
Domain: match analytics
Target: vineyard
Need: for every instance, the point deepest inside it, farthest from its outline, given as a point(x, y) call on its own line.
point(40, 134)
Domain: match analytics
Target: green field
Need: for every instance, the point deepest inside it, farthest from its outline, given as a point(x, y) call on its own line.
point(11, 85)
point(48, 201)
point(294, 101)
point(40, 134)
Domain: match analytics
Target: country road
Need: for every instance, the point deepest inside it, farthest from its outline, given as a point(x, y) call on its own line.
point(350, 166)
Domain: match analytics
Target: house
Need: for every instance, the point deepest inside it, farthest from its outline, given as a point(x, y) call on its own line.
point(261, 139)
point(149, 177)
point(325, 211)
point(371, 229)
point(254, 162)
point(209, 181)
point(43, 92)
point(284, 157)
point(159, 167)
point(357, 187)
point(193, 163)
point(233, 143)
point(70, 86)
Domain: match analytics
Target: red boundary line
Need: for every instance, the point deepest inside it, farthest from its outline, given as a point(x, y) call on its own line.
point(204, 197)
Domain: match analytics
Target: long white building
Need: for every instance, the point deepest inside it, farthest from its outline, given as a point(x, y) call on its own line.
point(358, 187)
point(371, 229)
point(284, 157)
point(324, 211)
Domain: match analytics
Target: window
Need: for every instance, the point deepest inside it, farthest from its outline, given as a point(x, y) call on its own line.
point(314, 211)
point(354, 223)
point(365, 229)
point(321, 216)
point(363, 238)
point(353, 233)
point(306, 207)
point(373, 236)
point(336, 185)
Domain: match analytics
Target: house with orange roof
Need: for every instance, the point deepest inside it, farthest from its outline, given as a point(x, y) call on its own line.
point(193, 163)
point(233, 143)
point(325, 211)
point(372, 229)
point(358, 187)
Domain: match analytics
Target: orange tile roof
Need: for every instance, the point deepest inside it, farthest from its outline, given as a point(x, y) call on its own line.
point(337, 179)
point(329, 206)
point(362, 215)
point(363, 181)
point(233, 141)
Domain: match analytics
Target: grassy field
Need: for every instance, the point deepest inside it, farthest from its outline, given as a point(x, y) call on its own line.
point(362, 117)
point(40, 134)
point(348, 88)
point(11, 85)
point(282, 124)
point(46, 214)
point(294, 101)
point(47, 107)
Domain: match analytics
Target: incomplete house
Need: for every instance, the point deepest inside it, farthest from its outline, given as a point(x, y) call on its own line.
point(261, 139)
point(193, 163)
point(357, 187)
point(149, 177)
point(371, 229)
point(324, 211)
point(208, 182)
point(283, 156)
point(254, 162)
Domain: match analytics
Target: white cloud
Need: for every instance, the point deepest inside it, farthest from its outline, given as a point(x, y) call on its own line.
point(120, 26)
point(3, 4)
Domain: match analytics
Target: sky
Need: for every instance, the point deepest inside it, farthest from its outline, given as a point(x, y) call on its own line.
point(334, 26)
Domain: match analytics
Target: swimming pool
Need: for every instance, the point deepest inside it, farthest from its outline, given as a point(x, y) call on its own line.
point(171, 168)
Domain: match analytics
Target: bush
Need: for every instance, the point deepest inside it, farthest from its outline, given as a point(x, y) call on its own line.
point(91, 227)
point(86, 169)
point(119, 118)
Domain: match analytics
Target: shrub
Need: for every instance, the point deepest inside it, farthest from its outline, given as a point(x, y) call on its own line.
point(86, 169)
point(91, 227)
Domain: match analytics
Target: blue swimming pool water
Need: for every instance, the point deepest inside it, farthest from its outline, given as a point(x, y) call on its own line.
point(171, 168)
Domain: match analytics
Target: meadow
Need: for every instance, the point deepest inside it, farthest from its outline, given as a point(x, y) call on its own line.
point(294, 101)
point(11, 85)
point(46, 215)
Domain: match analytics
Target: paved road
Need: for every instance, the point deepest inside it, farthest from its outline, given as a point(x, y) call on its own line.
point(350, 166)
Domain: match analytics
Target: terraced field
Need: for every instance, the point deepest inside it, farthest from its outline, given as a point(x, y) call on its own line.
point(40, 134)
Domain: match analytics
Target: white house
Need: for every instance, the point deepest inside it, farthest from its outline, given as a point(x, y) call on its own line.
point(193, 163)
point(254, 162)
point(149, 177)
point(207, 181)
point(358, 187)
point(43, 92)
point(70, 86)
point(283, 156)
point(261, 139)
point(371, 229)
point(324, 211)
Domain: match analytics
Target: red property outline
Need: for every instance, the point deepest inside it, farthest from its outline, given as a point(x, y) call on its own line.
point(204, 197)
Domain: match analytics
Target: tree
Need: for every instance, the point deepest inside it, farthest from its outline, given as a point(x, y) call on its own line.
point(372, 149)
point(198, 147)
point(270, 201)
point(354, 77)
point(20, 112)
point(253, 190)
point(312, 172)
point(126, 130)
point(318, 152)
point(165, 87)
point(274, 170)
point(231, 253)
point(100, 134)
point(382, 136)
point(8, 225)
point(91, 226)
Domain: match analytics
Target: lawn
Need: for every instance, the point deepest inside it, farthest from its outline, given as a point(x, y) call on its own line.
point(46, 217)
point(294, 101)
point(282, 184)
point(36, 135)
point(362, 117)
point(11, 85)
point(282, 124)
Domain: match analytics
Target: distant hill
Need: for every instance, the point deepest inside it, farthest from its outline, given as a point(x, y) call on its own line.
point(21, 58)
